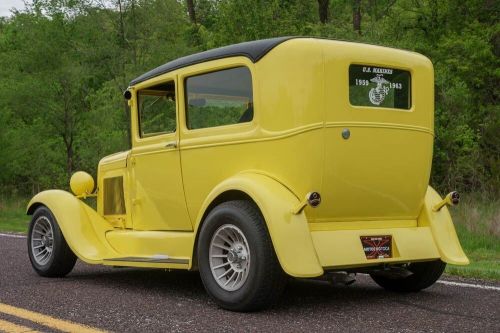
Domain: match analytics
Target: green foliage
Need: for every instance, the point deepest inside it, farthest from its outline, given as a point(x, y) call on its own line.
point(64, 65)
point(210, 116)
point(477, 221)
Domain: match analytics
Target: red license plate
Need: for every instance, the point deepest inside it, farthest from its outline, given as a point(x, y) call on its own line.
point(377, 247)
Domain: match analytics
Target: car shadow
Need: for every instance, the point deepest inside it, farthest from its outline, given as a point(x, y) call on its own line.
point(299, 293)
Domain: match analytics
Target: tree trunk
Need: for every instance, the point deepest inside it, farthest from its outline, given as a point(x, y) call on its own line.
point(356, 15)
point(191, 11)
point(69, 155)
point(122, 26)
point(323, 10)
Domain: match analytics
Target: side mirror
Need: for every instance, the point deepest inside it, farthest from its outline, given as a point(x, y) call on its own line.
point(82, 184)
point(127, 95)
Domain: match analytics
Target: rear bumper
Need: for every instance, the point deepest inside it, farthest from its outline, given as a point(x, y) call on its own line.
point(343, 249)
point(432, 236)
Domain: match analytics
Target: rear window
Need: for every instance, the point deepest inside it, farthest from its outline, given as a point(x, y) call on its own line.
point(379, 87)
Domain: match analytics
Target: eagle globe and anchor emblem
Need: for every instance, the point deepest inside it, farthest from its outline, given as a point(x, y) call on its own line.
point(378, 94)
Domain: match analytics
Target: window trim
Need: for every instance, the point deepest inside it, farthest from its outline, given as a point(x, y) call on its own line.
point(216, 69)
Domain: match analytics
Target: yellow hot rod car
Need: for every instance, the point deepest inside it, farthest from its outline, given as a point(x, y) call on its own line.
point(262, 160)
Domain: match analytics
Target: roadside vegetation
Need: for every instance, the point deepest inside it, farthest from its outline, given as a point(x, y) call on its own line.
point(477, 221)
point(13, 217)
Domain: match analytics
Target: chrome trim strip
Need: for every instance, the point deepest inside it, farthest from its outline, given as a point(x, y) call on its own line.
point(150, 260)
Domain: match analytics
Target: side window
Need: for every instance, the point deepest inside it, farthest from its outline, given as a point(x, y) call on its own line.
point(157, 110)
point(219, 98)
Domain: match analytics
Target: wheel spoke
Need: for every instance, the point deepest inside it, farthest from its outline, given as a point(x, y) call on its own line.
point(230, 268)
point(238, 276)
point(219, 255)
point(221, 265)
point(225, 239)
point(221, 246)
point(230, 278)
point(231, 233)
point(44, 228)
point(224, 274)
point(45, 256)
point(42, 240)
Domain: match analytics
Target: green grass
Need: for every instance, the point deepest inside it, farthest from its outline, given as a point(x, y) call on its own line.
point(13, 216)
point(477, 221)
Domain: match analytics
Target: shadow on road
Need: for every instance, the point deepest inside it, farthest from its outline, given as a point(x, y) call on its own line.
point(299, 293)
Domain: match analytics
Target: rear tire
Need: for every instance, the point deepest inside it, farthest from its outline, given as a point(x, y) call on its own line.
point(48, 251)
point(425, 274)
point(244, 274)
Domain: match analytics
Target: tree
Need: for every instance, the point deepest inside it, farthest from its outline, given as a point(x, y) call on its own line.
point(323, 9)
point(356, 16)
point(191, 11)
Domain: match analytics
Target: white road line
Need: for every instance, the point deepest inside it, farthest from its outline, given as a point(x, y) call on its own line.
point(468, 285)
point(12, 236)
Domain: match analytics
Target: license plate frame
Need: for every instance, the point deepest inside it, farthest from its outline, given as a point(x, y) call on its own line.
point(377, 247)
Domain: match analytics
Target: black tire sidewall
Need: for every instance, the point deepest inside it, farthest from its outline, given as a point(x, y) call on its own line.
point(227, 214)
point(57, 244)
point(425, 274)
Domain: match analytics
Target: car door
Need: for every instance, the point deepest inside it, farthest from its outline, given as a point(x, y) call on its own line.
point(158, 201)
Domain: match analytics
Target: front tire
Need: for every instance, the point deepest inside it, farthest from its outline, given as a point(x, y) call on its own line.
point(48, 251)
point(425, 274)
point(236, 258)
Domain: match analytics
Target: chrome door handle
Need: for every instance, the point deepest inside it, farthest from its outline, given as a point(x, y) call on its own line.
point(172, 144)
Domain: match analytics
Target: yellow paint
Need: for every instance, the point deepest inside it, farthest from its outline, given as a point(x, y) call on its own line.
point(81, 184)
point(51, 322)
point(376, 181)
point(355, 225)
point(8, 327)
point(289, 232)
point(448, 200)
point(83, 229)
point(177, 245)
point(443, 230)
point(412, 244)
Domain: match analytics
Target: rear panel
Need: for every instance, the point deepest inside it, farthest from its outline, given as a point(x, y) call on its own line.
point(378, 133)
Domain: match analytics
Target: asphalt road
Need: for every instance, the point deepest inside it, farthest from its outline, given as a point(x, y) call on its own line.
point(139, 300)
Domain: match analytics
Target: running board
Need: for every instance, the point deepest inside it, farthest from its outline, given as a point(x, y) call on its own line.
point(152, 260)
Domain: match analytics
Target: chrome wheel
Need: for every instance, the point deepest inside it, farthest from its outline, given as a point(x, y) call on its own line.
point(42, 240)
point(229, 257)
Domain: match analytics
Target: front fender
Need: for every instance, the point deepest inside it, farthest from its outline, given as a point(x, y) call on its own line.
point(442, 229)
point(83, 229)
point(289, 233)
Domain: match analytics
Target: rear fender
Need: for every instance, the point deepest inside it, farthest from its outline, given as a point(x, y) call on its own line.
point(289, 233)
point(442, 229)
point(83, 228)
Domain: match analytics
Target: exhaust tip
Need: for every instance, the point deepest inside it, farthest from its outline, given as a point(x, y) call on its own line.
point(454, 197)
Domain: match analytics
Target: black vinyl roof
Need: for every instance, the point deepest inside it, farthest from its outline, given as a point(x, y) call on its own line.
point(254, 51)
